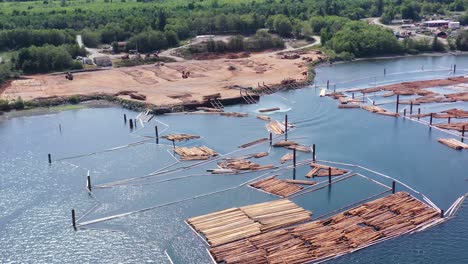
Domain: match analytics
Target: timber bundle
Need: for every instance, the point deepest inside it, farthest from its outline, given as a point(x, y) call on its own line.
point(264, 118)
point(301, 148)
point(180, 137)
point(320, 170)
point(238, 223)
point(453, 143)
point(233, 165)
point(276, 127)
point(387, 217)
point(280, 187)
point(284, 143)
point(452, 113)
point(379, 110)
point(195, 153)
point(269, 109)
point(454, 126)
point(255, 142)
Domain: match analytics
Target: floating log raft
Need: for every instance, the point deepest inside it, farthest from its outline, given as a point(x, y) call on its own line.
point(453, 143)
point(260, 155)
point(277, 186)
point(242, 165)
point(180, 137)
point(210, 109)
point(387, 217)
point(264, 118)
point(379, 110)
point(452, 113)
point(195, 153)
point(320, 170)
point(286, 157)
point(284, 143)
point(255, 142)
point(454, 126)
point(237, 223)
point(269, 109)
point(276, 127)
point(301, 148)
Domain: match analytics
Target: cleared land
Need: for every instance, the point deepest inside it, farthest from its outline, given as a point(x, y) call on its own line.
point(164, 85)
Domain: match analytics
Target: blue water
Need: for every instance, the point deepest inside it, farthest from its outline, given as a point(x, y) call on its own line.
point(36, 198)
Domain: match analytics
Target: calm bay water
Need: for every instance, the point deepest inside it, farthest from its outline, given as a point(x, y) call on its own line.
point(36, 198)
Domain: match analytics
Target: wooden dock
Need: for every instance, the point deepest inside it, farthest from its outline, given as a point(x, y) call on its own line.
point(238, 223)
point(384, 218)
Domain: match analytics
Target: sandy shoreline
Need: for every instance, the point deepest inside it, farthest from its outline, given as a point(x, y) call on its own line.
point(164, 85)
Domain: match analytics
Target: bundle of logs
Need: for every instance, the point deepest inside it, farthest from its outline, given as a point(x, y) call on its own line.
point(269, 109)
point(276, 127)
point(383, 218)
point(180, 137)
point(454, 126)
point(379, 110)
point(280, 187)
point(264, 118)
point(237, 223)
point(320, 170)
point(453, 143)
point(235, 165)
point(195, 153)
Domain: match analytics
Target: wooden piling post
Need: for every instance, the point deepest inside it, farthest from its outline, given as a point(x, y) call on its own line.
point(313, 152)
point(454, 68)
point(442, 213)
point(463, 134)
point(393, 187)
point(352, 95)
point(50, 158)
point(397, 103)
point(131, 123)
point(89, 183)
point(419, 112)
point(411, 108)
point(157, 134)
point(271, 139)
point(404, 112)
point(449, 119)
point(173, 143)
point(73, 219)
point(294, 157)
point(125, 118)
point(384, 71)
point(430, 119)
point(329, 175)
point(294, 173)
point(328, 84)
point(286, 127)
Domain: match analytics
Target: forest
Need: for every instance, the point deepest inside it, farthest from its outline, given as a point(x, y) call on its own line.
point(160, 24)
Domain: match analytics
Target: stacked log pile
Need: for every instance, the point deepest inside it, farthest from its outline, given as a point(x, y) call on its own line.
point(237, 223)
point(180, 137)
point(320, 170)
point(387, 217)
point(195, 153)
point(453, 143)
point(277, 186)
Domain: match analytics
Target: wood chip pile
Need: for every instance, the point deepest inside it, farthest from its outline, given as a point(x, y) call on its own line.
point(195, 153)
point(453, 143)
point(277, 186)
point(320, 170)
point(180, 137)
point(391, 216)
point(237, 223)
